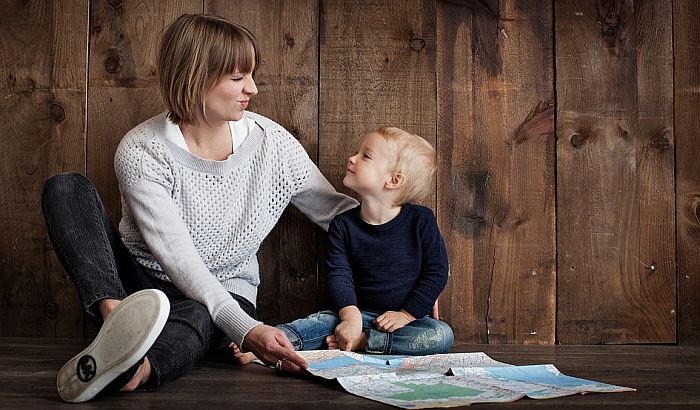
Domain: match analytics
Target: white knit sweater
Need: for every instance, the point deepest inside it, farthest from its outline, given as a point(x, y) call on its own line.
point(199, 223)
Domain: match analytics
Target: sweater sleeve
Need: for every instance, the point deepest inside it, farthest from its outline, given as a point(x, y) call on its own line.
point(434, 270)
point(315, 197)
point(145, 182)
point(340, 284)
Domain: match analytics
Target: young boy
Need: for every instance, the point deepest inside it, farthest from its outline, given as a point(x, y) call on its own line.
point(387, 262)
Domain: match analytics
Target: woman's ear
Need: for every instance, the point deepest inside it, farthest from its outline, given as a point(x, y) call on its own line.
point(396, 181)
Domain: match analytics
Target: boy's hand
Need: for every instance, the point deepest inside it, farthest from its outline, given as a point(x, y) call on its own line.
point(349, 335)
point(390, 320)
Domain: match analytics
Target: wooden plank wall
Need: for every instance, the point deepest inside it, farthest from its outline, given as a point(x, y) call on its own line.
point(42, 132)
point(552, 231)
point(616, 253)
point(686, 43)
point(496, 181)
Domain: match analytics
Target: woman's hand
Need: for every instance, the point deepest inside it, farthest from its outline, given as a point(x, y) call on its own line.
point(270, 345)
point(390, 320)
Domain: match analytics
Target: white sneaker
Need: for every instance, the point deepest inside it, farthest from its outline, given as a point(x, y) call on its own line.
point(125, 337)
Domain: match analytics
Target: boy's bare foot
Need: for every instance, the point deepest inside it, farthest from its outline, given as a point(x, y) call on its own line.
point(240, 357)
point(362, 344)
point(332, 342)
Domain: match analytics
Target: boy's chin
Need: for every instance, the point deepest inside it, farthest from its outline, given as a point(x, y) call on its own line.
point(348, 185)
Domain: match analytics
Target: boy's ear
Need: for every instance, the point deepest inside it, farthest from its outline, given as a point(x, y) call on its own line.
point(396, 181)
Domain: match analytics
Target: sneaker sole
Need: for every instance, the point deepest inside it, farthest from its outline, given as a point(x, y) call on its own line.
point(123, 340)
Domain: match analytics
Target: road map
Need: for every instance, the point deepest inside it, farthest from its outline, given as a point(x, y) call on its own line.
point(444, 380)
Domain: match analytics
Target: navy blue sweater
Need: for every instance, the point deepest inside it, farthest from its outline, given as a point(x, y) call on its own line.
point(401, 264)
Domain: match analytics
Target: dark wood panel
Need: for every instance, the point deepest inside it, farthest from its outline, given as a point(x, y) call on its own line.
point(122, 92)
point(616, 248)
point(42, 132)
point(686, 37)
point(665, 377)
point(496, 179)
point(287, 80)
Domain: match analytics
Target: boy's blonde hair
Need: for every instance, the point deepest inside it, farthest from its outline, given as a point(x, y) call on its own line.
point(195, 52)
point(415, 161)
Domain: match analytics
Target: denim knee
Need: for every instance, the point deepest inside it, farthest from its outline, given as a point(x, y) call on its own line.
point(63, 184)
point(447, 338)
point(436, 337)
point(428, 336)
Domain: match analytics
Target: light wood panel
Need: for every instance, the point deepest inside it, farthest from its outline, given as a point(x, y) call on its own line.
point(496, 179)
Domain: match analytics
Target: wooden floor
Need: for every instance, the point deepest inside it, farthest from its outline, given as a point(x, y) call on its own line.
point(665, 377)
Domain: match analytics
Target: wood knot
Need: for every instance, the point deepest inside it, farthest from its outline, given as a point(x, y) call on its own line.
point(578, 139)
point(610, 24)
point(51, 310)
point(96, 29)
point(113, 63)
point(624, 134)
point(289, 40)
point(57, 113)
point(417, 44)
point(660, 142)
point(692, 209)
point(114, 3)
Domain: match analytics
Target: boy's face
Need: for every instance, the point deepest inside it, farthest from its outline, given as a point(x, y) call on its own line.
point(370, 168)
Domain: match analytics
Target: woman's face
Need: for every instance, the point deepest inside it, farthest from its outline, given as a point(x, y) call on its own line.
point(229, 98)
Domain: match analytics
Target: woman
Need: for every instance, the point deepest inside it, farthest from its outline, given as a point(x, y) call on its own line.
point(201, 185)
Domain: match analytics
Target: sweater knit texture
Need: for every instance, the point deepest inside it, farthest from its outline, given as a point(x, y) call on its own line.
point(401, 264)
point(199, 223)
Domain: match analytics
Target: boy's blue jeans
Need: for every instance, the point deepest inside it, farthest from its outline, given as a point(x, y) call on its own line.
point(421, 337)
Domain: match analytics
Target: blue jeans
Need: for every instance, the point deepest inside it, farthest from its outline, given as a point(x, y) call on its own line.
point(94, 257)
point(421, 337)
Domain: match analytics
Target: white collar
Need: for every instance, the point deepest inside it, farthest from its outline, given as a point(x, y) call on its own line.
point(239, 132)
